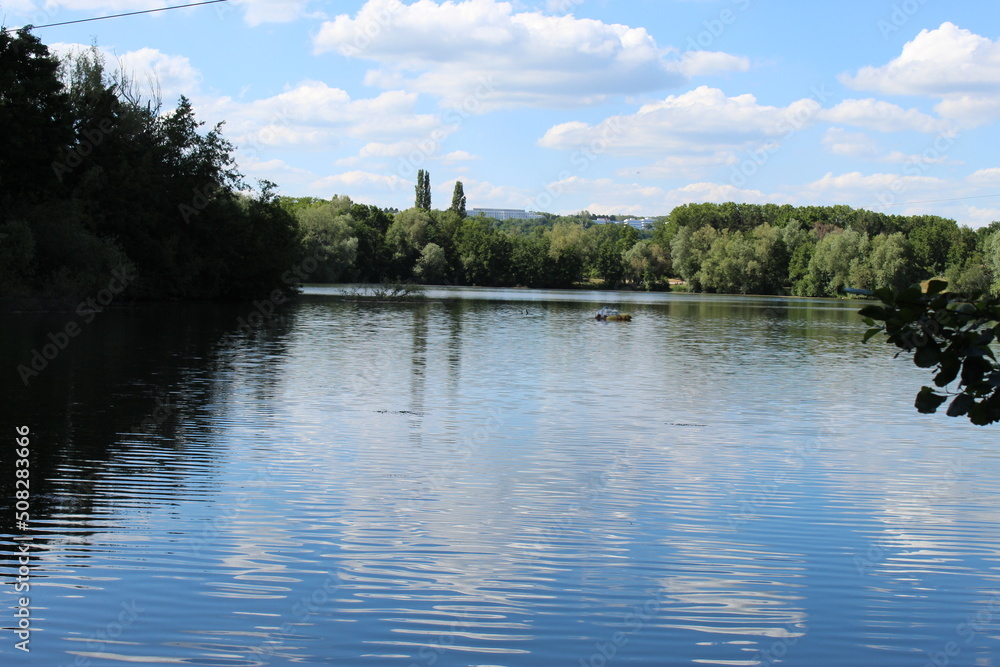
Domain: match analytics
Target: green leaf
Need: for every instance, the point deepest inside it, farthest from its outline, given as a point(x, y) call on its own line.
point(936, 286)
point(928, 401)
point(973, 370)
point(982, 414)
point(985, 338)
point(927, 355)
point(885, 295)
point(962, 307)
point(911, 294)
point(874, 312)
point(982, 343)
point(872, 332)
point(938, 302)
point(960, 405)
point(949, 371)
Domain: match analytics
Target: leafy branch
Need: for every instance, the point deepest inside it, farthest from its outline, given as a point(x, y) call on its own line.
point(952, 334)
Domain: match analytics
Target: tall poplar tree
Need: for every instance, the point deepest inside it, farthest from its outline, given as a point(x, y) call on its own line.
point(423, 190)
point(458, 199)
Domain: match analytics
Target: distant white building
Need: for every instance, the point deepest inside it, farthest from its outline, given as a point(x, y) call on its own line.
point(644, 223)
point(504, 213)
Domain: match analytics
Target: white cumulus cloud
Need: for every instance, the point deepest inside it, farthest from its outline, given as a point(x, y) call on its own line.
point(703, 63)
point(314, 113)
point(703, 120)
point(988, 178)
point(486, 50)
point(839, 141)
point(875, 190)
point(350, 181)
point(882, 116)
point(459, 156)
point(954, 65)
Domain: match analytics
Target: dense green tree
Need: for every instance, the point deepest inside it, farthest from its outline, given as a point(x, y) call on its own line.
point(800, 243)
point(890, 262)
point(406, 238)
point(570, 250)
point(125, 188)
point(35, 114)
point(991, 258)
point(664, 232)
point(689, 249)
point(611, 242)
point(372, 263)
point(740, 217)
point(697, 215)
point(484, 253)
point(531, 265)
point(798, 269)
point(970, 274)
point(328, 235)
point(65, 260)
point(839, 260)
point(931, 239)
point(873, 223)
point(772, 257)
point(966, 243)
point(444, 227)
point(722, 265)
point(646, 265)
point(17, 258)
point(432, 265)
point(745, 262)
point(264, 245)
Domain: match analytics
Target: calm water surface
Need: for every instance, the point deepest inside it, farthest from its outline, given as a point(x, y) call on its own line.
point(489, 478)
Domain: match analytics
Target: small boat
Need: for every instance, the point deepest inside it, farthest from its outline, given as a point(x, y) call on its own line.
point(611, 315)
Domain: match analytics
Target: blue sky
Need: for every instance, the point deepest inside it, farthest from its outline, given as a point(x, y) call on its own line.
point(624, 106)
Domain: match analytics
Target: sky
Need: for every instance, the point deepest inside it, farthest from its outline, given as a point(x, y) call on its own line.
point(611, 106)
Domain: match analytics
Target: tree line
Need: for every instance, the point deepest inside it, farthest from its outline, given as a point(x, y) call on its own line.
point(819, 250)
point(724, 248)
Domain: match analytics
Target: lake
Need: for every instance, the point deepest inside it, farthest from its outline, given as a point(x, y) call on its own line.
point(491, 477)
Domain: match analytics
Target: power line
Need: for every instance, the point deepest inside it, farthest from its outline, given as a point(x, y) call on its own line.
point(935, 201)
point(118, 16)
